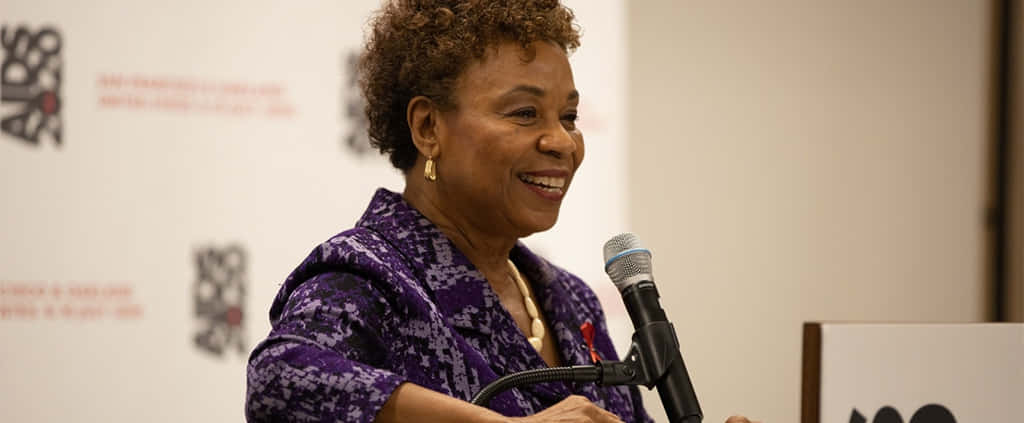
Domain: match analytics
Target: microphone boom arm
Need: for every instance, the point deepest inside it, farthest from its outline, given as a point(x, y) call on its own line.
point(653, 359)
point(653, 351)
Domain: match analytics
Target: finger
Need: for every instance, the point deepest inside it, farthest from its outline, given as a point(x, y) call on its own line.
point(608, 418)
point(601, 415)
point(614, 418)
point(576, 399)
point(737, 419)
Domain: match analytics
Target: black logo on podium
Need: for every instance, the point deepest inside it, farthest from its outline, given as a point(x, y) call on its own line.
point(30, 80)
point(931, 413)
point(219, 296)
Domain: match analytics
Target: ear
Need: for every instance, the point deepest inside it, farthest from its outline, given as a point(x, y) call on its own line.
point(423, 118)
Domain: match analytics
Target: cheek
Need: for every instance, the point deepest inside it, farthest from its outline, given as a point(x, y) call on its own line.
point(469, 148)
point(485, 156)
point(498, 149)
point(580, 150)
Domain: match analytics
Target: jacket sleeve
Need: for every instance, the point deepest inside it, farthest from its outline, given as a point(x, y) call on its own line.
point(325, 358)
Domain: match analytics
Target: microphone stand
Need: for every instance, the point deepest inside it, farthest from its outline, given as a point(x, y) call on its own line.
point(654, 350)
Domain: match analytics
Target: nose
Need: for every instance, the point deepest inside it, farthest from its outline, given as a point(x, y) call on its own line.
point(557, 142)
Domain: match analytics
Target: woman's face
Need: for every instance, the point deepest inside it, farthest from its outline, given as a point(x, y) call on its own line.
point(510, 147)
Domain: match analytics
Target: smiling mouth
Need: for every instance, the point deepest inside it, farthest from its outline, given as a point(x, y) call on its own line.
point(552, 184)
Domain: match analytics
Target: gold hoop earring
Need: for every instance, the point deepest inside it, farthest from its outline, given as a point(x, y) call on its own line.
point(429, 170)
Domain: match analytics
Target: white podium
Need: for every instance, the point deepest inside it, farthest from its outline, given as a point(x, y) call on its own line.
point(913, 373)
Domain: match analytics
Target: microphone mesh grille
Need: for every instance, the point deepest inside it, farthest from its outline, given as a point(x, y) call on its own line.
point(624, 268)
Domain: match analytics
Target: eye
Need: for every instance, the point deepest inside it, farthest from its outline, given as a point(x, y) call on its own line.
point(570, 119)
point(524, 113)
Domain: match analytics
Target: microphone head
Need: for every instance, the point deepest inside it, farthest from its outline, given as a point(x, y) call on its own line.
point(626, 261)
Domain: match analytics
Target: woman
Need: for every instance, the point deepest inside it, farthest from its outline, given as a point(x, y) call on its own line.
point(430, 297)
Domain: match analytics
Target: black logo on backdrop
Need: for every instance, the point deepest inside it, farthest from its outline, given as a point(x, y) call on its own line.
point(218, 294)
point(30, 81)
point(931, 413)
point(357, 139)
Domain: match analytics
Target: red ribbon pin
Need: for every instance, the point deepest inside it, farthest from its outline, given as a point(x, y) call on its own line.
point(588, 335)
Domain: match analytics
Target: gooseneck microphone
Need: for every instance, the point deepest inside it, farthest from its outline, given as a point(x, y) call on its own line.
point(655, 345)
point(653, 359)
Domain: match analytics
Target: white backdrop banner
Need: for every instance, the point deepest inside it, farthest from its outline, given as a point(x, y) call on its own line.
point(915, 373)
point(165, 165)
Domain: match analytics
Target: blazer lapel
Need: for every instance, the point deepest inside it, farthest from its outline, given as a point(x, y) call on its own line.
point(485, 332)
point(460, 292)
point(560, 305)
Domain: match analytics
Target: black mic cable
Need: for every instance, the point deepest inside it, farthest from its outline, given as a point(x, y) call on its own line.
point(529, 377)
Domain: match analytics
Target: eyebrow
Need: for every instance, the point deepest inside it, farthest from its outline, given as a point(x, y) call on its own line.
point(538, 91)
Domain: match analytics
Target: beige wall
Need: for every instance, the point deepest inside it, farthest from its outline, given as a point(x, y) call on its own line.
point(804, 160)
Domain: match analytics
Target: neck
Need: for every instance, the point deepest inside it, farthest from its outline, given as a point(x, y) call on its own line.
point(486, 250)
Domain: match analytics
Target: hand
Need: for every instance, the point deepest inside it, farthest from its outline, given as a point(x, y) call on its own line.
point(739, 419)
point(574, 409)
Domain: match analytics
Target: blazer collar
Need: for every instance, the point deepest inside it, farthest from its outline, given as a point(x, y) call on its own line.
point(467, 301)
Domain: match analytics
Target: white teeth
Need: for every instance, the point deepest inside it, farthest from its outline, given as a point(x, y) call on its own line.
point(548, 182)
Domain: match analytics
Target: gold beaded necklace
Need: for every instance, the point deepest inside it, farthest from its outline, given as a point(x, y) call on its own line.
point(536, 326)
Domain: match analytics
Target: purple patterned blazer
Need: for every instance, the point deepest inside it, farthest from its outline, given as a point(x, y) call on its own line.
point(392, 300)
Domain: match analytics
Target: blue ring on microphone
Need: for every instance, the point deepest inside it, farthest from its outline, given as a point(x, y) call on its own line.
point(629, 251)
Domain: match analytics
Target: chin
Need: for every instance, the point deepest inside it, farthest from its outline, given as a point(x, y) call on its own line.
point(539, 224)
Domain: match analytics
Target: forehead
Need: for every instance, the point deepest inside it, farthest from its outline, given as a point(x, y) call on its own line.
point(508, 65)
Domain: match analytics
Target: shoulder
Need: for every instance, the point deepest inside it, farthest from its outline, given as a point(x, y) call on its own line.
point(359, 250)
point(354, 261)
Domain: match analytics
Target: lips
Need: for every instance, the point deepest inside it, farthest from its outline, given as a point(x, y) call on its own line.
point(549, 184)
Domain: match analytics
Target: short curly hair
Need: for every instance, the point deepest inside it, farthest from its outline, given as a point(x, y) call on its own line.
point(420, 47)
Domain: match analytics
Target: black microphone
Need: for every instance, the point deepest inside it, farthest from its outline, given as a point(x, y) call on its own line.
point(655, 345)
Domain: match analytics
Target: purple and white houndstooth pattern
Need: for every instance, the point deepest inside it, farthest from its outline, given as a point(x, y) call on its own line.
point(392, 300)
